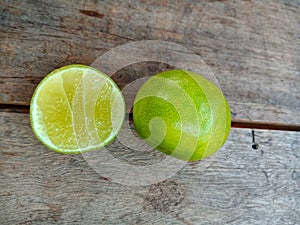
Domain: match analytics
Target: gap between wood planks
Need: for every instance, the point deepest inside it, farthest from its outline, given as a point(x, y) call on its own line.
point(235, 123)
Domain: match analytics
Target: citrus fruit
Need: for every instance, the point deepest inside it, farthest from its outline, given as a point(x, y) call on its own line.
point(182, 114)
point(75, 109)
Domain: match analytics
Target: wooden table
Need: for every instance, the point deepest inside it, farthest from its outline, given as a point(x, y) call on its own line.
point(253, 48)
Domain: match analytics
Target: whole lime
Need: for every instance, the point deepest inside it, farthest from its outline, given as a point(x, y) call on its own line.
point(182, 114)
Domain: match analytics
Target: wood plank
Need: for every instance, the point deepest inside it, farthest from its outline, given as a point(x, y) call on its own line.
point(240, 186)
point(252, 46)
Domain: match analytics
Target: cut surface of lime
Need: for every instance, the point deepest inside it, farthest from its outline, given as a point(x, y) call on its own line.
point(182, 114)
point(76, 109)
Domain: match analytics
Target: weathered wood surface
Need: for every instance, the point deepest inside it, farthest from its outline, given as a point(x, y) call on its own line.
point(241, 185)
point(252, 46)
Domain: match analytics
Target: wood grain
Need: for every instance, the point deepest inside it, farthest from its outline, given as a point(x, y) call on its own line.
point(241, 185)
point(252, 46)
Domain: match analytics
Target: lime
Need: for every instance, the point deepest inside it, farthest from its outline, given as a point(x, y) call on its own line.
point(182, 114)
point(75, 109)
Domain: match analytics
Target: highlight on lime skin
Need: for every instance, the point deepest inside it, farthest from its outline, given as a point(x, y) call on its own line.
point(194, 116)
point(75, 109)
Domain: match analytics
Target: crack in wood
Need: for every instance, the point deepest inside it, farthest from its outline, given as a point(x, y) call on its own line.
point(91, 13)
point(235, 123)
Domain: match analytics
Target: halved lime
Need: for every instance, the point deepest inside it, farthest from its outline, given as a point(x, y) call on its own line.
point(76, 109)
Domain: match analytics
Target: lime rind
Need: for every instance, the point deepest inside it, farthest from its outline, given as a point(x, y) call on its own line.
point(218, 105)
point(213, 114)
point(157, 94)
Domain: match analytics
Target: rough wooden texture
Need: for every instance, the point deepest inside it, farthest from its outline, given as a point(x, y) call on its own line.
point(252, 46)
point(241, 186)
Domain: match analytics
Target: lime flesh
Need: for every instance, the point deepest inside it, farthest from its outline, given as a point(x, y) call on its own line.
point(75, 109)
